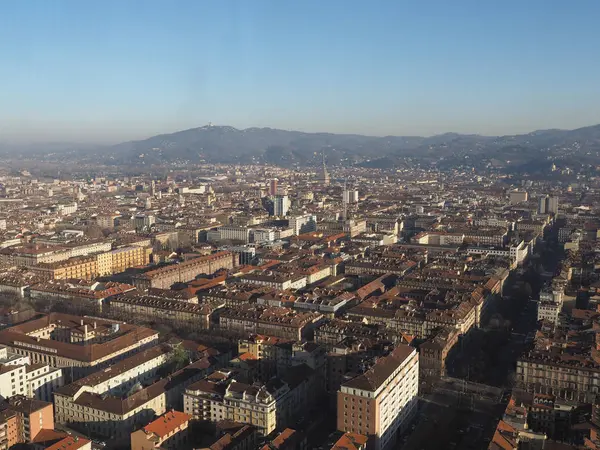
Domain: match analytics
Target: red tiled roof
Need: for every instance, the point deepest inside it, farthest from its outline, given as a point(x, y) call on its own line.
point(69, 443)
point(167, 423)
point(350, 441)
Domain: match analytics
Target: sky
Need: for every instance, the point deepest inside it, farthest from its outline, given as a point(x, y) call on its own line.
point(108, 71)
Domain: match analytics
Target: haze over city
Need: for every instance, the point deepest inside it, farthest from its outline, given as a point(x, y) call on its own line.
point(118, 70)
point(312, 225)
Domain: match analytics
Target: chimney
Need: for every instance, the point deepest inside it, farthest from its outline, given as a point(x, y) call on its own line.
point(95, 325)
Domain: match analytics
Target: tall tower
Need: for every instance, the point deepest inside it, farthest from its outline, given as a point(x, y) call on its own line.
point(281, 205)
point(273, 187)
point(153, 188)
point(345, 200)
point(324, 174)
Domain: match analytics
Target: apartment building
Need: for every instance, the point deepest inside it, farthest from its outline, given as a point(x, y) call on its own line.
point(31, 255)
point(303, 223)
point(89, 248)
point(274, 355)
point(36, 415)
point(169, 431)
point(19, 377)
point(234, 233)
point(78, 291)
point(351, 227)
point(434, 352)
point(133, 396)
point(378, 266)
point(125, 257)
point(16, 283)
point(11, 429)
point(280, 322)
point(106, 221)
point(195, 315)
point(382, 401)
point(165, 277)
point(276, 280)
point(398, 315)
point(266, 406)
point(548, 311)
point(80, 344)
point(81, 267)
point(333, 331)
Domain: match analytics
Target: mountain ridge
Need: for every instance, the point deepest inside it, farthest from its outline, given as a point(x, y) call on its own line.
point(265, 145)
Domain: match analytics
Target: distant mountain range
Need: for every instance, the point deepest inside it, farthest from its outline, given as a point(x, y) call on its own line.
point(225, 144)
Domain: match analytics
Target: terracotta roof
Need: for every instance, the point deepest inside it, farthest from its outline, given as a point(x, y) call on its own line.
point(373, 378)
point(284, 439)
point(69, 443)
point(167, 423)
point(46, 436)
point(505, 437)
point(350, 441)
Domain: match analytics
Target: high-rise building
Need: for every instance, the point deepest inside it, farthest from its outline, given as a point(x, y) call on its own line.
point(552, 205)
point(273, 187)
point(548, 205)
point(542, 204)
point(351, 196)
point(143, 221)
point(324, 178)
point(382, 401)
point(281, 205)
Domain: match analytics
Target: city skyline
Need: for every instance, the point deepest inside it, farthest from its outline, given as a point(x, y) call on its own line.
point(116, 71)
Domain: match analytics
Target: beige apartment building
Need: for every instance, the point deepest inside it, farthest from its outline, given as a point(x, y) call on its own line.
point(81, 267)
point(267, 406)
point(165, 277)
point(566, 378)
point(123, 258)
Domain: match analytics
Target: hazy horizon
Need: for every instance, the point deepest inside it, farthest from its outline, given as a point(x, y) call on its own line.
point(141, 138)
point(124, 70)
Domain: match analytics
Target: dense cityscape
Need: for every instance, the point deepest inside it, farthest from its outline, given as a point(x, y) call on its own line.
point(299, 225)
point(325, 307)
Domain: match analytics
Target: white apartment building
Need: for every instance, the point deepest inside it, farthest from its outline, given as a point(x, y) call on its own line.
point(68, 209)
point(303, 224)
point(548, 311)
point(351, 196)
point(117, 399)
point(19, 377)
point(90, 247)
point(234, 233)
point(281, 205)
point(263, 235)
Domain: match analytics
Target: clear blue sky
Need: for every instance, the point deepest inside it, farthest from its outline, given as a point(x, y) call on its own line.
point(107, 71)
